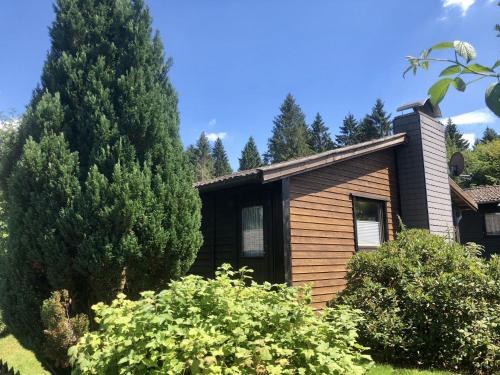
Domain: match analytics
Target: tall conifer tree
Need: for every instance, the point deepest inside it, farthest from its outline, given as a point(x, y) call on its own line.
point(454, 139)
point(381, 119)
point(250, 157)
point(349, 132)
point(99, 193)
point(201, 158)
point(489, 135)
point(319, 137)
point(221, 162)
point(289, 138)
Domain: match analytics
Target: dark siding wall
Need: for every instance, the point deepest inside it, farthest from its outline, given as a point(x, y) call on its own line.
point(472, 229)
point(220, 229)
point(321, 219)
point(423, 174)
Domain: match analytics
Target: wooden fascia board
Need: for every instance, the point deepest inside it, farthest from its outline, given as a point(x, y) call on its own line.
point(274, 174)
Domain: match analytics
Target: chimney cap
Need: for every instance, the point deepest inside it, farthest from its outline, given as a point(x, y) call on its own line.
point(424, 106)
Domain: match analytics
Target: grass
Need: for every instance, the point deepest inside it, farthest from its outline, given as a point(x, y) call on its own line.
point(388, 370)
point(20, 358)
point(26, 363)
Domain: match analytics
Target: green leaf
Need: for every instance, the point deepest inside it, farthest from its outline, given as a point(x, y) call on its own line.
point(451, 70)
point(442, 45)
point(459, 84)
point(492, 98)
point(496, 65)
point(477, 68)
point(464, 49)
point(439, 89)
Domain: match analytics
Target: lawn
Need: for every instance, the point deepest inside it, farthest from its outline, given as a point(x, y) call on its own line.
point(18, 357)
point(26, 363)
point(388, 370)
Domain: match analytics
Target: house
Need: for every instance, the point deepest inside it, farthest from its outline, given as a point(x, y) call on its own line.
point(483, 226)
point(301, 221)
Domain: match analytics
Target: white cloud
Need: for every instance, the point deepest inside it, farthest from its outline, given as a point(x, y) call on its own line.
point(469, 137)
point(212, 122)
point(479, 116)
point(212, 137)
point(462, 4)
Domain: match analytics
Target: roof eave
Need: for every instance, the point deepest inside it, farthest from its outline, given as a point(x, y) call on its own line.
point(464, 199)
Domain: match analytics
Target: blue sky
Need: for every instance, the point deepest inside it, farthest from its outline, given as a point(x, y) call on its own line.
point(235, 60)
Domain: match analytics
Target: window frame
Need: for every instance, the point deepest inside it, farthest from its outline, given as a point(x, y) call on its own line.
point(486, 233)
point(240, 229)
point(384, 230)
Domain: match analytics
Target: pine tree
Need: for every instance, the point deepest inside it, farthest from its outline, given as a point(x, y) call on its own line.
point(348, 132)
point(319, 136)
point(289, 138)
point(221, 162)
point(454, 139)
point(489, 135)
point(250, 157)
point(99, 192)
point(381, 119)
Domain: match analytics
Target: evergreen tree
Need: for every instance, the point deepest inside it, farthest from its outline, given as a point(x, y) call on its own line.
point(367, 130)
point(250, 157)
point(454, 139)
point(349, 132)
point(201, 158)
point(289, 138)
point(489, 135)
point(99, 191)
point(381, 119)
point(221, 162)
point(319, 137)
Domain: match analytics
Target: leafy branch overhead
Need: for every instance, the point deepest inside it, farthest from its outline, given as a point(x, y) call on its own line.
point(457, 73)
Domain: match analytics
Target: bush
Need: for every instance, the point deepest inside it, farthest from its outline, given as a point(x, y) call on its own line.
point(428, 302)
point(61, 330)
point(222, 326)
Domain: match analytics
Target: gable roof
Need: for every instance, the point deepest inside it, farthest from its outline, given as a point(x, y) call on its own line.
point(289, 168)
point(461, 197)
point(485, 194)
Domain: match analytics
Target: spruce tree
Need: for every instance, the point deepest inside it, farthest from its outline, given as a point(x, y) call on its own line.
point(221, 162)
point(489, 135)
point(250, 157)
point(289, 138)
point(319, 137)
point(367, 130)
point(99, 191)
point(454, 139)
point(349, 132)
point(381, 119)
point(203, 161)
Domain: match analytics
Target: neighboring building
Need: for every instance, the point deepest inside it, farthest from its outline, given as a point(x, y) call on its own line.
point(483, 226)
point(301, 221)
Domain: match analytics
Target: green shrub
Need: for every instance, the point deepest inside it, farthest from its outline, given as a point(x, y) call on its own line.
point(61, 331)
point(428, 302)
point(222, 326)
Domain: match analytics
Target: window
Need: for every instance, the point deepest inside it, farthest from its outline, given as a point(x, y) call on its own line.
point(492, 223)
point(252, 227)
point(369, 215)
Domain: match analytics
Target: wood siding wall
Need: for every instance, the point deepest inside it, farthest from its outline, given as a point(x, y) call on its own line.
point(321, 218)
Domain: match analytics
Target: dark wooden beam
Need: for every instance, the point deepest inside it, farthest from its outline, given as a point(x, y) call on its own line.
point(287, 251)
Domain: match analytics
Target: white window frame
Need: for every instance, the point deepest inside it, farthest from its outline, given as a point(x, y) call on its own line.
point(252, 253)
point(383, 226)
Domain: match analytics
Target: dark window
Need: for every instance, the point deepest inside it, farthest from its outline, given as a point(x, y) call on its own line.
point(252, 231)
point(369, 218)
point(492, 223)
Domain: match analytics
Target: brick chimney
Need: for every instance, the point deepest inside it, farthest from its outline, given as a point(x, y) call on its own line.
point(423, 170)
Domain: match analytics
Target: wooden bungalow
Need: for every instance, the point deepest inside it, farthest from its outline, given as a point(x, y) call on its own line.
point(301, 221)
